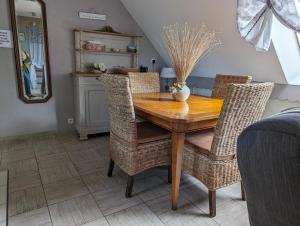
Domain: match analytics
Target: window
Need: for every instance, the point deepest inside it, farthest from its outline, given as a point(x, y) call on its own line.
point(286, 44)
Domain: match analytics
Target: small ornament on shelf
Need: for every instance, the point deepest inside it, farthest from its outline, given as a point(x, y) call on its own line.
point(94, 45)
point(131, 49)
point(96, 68)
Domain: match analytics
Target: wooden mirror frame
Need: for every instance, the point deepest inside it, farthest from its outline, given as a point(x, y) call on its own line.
point(17, 54)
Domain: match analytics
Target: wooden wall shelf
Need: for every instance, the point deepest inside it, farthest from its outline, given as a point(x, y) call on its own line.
point(122, 52)
point(85, 57)
point(107, 33)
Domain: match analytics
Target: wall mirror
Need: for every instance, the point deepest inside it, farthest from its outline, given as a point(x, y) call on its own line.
point(31, 50)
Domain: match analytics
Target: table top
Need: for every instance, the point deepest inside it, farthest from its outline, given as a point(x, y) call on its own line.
point(162, 105)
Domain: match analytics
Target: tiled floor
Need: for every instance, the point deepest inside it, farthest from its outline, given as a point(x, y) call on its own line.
point(60, 181)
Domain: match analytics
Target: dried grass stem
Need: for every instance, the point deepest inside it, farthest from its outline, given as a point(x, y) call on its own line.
point(186, 45)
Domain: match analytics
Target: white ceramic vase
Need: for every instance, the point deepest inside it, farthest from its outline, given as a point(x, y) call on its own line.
point(183, 94)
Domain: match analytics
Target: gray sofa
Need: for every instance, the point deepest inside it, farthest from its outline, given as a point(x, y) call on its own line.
point(269, 161)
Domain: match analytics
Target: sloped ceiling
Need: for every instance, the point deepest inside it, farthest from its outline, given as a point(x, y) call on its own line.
point(235, 56)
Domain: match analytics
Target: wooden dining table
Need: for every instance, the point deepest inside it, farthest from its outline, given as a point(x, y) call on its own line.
point(197, 113)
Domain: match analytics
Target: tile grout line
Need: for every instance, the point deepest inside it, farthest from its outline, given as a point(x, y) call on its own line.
point(152, 211)
point(90, 193)
point(142, 202)
point(43, 187)
point(8, 192)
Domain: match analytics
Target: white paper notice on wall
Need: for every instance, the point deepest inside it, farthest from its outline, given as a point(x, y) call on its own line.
point(91, 16)
point(5, 39)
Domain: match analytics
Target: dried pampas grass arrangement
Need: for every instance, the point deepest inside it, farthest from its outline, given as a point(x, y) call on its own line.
point(186, 46)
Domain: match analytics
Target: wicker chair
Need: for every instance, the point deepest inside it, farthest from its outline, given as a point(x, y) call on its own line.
point(221, 82)
point(210, 155)
point(134, 147)
point(144, 82)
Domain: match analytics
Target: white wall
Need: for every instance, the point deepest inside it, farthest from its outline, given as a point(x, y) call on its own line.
point(235, 56)
point(62, 17)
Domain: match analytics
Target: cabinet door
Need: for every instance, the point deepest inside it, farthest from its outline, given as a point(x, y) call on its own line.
point(96, 110)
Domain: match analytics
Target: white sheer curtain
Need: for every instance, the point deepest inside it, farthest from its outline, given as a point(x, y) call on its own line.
point(36, 49)
point(255, 17)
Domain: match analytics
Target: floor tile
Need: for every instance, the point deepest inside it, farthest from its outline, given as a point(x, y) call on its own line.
point(100, 181)
point(186, 214)
point(68, 138)
point(77, 211)
point(100, 222)
point(88, 161)
point(151, 188)
point(21, 167)
point(161, 172)
point(44, 143)
point(3, 146)
point(49, 149)
point(64, 190)
point(235, 210)
point(38, 217)
point(19, 143)
point(233, 191)
point(59, 157)
point(84, 167)
point(113, 200)
point(134, 216)
point(79, 146)
point(26, 200)
point(24, 181)
point(85, 156)
point(3, 194)
point(44, 136)
point(17, 155)
point(3, 213)
point(50, 161)
point(232, 214)
point(198, 194)
point(58, 173)
point(3, 177)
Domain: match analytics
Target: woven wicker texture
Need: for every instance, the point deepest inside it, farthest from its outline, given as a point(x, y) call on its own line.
point(125, 149)
point(222, 81)
point(243, 105)
point(120, 106)
point(144, 82)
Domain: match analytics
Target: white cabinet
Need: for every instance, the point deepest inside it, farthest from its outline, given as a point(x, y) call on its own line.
point(117, 50)
point(91, 111)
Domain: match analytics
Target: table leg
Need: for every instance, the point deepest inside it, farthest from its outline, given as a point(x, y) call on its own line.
point(177, 155)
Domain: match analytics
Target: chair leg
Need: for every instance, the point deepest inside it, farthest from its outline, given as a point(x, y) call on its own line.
point(170, 174)
point(129, 186)
point(243, 192)
point(110, 168)
point(212, 203)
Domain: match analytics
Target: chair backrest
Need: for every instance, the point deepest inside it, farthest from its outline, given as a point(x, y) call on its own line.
point(222, 81)
point(243, 105)
point(120, 104)
point(144, 82)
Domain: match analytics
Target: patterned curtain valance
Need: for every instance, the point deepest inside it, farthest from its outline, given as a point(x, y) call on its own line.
point(255, 17)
